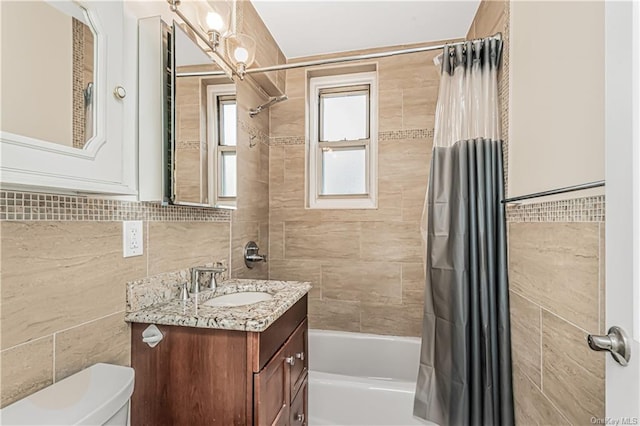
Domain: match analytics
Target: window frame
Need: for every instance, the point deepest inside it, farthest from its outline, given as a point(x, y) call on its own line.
point(314, 148)
point(217, 93)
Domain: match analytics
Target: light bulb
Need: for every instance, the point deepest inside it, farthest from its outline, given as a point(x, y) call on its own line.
point(214, 21)
point(241, 54)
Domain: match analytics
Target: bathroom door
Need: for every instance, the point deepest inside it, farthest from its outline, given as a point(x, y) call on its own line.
point(622, 160)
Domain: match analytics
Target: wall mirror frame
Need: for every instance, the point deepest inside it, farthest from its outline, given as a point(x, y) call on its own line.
point(106, 162)
point(202, 155)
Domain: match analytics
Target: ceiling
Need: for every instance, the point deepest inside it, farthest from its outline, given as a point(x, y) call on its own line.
point(313, 27)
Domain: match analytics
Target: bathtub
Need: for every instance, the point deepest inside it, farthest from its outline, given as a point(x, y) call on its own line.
point(362, 379)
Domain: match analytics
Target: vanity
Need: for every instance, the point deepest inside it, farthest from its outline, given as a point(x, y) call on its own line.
point(226, 365)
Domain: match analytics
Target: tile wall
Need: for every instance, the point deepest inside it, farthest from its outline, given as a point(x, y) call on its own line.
point(366, 265)
point(556, 273)
point(63, 289)
point(189, 146)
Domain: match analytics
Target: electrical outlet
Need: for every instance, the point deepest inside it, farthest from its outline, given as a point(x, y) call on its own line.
point(132, 241)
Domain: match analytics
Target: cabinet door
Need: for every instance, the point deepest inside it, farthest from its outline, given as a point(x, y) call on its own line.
point(106, 164)
point(298, 361)
point(299, 405)
point(271, 392)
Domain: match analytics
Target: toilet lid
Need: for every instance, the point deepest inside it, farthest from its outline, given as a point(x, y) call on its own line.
point(91, 396)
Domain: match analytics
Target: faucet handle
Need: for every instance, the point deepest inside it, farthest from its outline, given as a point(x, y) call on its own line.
point(195, 285)
point(184, 292)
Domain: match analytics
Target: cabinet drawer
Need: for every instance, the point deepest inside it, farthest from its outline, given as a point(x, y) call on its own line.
point(296, 351)
point(263, 345)
point(271, 392)
point(298, 416)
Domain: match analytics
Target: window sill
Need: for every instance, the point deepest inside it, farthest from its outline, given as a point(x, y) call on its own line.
point(342, 203)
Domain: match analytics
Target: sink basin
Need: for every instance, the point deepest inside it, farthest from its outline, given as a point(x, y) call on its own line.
point(239, 299)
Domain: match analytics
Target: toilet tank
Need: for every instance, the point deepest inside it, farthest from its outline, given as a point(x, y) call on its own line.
point(98, 395)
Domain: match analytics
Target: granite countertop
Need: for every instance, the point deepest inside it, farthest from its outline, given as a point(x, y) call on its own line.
point(254, 317)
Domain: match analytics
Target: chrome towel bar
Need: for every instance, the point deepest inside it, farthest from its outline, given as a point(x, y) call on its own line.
point(572, 188)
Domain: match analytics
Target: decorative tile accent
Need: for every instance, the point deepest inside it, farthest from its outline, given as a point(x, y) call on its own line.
point(406, 134)
point(586, 209)
point(256, 134)
point(78, 83)
point(503, 95)
point(191, 146)
point(287, 140)
point(24, 206)
point(391, 135)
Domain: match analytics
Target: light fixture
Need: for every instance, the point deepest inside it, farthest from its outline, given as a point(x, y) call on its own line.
point(214, 21)
point(241, 50)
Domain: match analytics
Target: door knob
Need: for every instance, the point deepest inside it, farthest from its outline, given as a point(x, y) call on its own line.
point(119, 92)
point(616, 342)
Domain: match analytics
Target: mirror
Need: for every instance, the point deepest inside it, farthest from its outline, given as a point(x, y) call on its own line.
point(203, 145)
point(48, 63)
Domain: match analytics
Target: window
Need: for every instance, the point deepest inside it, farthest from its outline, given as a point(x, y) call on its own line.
point(342, 154)
point(222, 130)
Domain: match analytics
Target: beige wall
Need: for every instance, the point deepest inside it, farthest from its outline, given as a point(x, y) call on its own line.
point(63, 292)
point(36, 72)
point(557, 95)
point(189, 110)
point(556, 273)
point(250, 222)
point(366, 265)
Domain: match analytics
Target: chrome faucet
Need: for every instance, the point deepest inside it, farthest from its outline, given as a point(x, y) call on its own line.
point(195, 274)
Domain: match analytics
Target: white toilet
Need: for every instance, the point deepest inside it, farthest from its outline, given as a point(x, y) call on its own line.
point(98, 395)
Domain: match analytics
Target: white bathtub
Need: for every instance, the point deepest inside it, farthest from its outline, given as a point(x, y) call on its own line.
point(362, 379)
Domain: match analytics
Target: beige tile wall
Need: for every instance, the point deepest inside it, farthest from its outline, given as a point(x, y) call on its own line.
point(366, 265)
point(189, 141)
point(63, 292)
point(250, 222)
point(556, 281)
point(556, 276)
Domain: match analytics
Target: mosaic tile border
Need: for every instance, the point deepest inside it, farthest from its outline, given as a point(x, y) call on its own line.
point(286, 140)
point(27, 206)
point(191, 146)
point(390, 135)
point(79, 120)
point(586, 209)
point(406, 134)
point(503, 93)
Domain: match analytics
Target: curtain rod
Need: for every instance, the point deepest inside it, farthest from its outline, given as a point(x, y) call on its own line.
point(327, 61)
point(555, 191)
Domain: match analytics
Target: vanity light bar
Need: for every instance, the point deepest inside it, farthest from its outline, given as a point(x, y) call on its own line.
point(227, 68)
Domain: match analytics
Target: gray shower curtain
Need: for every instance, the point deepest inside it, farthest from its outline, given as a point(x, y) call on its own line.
point(465, 364)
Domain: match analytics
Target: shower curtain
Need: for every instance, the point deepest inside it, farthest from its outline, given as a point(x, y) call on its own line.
point(465, 362)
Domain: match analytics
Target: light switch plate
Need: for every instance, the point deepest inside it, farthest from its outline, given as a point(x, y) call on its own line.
point(132, 238)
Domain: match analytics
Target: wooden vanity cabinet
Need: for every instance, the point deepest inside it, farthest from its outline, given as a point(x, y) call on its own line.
point(277, 384)
point(200, 376)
